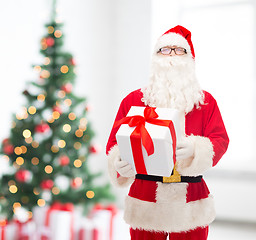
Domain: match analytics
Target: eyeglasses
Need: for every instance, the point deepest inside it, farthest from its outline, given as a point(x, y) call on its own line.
point(168, 51)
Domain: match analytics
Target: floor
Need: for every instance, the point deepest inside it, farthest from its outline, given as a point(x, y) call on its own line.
point(220, 230)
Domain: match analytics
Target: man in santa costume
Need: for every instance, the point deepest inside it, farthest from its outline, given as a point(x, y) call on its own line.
point(184, 209)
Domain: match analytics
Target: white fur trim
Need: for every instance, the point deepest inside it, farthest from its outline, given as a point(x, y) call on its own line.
point(172, 39)
point(202, 160)
point(120, 181)
point(170, 213)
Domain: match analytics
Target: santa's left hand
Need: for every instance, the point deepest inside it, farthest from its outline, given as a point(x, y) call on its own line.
point(185, 149)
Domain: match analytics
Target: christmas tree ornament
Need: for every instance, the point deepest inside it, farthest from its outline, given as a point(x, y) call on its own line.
point(95, 148)
point(47, 184)
point(76, 182)
point(49, 41)
point(64, 160)
point(23, 176)
point(67, 88)
point(57, 109)
point(8, 149)
point(42, 128)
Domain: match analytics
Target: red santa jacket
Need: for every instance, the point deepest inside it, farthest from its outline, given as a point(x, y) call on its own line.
point(174, 207)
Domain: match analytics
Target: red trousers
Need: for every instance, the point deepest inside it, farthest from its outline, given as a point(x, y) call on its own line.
point(197, 234)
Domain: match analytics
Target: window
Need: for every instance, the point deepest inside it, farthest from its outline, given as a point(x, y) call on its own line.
point(223, 35)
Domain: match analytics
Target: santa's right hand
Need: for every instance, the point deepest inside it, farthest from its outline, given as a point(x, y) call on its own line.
point(123, 168)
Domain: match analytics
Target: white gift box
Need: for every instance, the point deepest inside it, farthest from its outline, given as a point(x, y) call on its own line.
point(59, 226)
point(8, 232)
point(99, 225)
point(160, 163)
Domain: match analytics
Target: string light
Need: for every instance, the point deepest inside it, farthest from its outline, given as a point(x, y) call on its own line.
point(64, 69)
point(11, 182)
point(41, 202)
point(90, 194)
point(5, 158)
point(43, 43)
point(45, 74)
point(13, 124)
point(61, 94)
point(79, 133)
point(37, 68)
point(26, 133)
point(36, 191)
point(13, 189)
point(50, 29)
point(18, 150)
point(48, 169)
point(41, 97)
point(55, 115)
point(66, 128)
point(30, 214)
point(57, 33)
point(29, 140)
point(68, 102)
point(23, 149)
point(55, 190)
point(77, 163)
point(72, 116)
point(61, 143)
point(54, 148)
point(35, 161)
point(20, 161)
point(16, 205)
point(51, 120)
point(35, 144)
point(47, 61)
point(32, 110)
point(77, 145)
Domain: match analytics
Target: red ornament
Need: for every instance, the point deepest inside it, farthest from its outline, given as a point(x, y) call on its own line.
point(76, 182)
point(64, 160)
point(88, 107)
point(47, 184)
point(57, 109)
point(94, 148)
point(49, 41)
point(72, 61)
point(6, 141)
point(42, 128)
point(67, 87)
point(23, 176)
point(8, 149)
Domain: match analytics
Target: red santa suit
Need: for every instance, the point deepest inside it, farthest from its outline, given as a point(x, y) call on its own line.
point(174, 208)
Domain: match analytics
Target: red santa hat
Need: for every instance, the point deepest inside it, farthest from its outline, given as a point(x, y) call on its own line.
point(178, 36)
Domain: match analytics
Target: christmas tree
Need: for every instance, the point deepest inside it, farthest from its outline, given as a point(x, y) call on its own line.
point(50, 139)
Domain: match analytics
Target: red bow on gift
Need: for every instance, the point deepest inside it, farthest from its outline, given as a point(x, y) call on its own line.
point(140, 135)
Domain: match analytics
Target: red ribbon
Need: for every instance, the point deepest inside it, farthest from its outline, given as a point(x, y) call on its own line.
point(60, 207)
point(140, 135)
point(2, 227)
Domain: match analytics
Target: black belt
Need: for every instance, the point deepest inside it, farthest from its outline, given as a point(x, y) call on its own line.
point(162, 179)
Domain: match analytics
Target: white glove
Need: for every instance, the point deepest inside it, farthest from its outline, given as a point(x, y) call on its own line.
point(123, 168)
point(185, 149)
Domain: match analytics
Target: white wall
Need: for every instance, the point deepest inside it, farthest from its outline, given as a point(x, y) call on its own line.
point(110, 41)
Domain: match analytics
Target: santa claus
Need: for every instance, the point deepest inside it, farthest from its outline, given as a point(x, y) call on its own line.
point(184, 209)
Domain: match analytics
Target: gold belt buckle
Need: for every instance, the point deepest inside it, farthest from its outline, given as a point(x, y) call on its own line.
point(174, 178)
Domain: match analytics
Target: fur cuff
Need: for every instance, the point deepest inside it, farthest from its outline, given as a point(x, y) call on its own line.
point(119, 181)
point(169, 217)
point(203, 158)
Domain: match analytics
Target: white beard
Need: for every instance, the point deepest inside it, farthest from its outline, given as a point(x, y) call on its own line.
point(173, 84)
